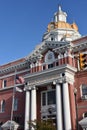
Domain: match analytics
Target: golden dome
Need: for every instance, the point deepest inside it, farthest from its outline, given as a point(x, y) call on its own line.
point(74, 26)
point(61, 25)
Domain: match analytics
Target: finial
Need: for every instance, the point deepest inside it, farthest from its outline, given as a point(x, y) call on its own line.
point(60, 8)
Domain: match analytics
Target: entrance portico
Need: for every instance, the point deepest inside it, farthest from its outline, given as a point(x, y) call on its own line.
point(62, 111)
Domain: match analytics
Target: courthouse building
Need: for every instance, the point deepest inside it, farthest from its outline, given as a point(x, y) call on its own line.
point(55, 84)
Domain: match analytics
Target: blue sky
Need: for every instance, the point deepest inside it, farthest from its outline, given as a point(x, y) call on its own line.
point(23, 23)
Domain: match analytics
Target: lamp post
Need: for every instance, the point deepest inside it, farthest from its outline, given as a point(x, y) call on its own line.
point(75, 94)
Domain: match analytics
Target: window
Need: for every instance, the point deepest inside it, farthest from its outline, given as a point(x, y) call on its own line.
point(4, 83)
point(84, 91)
point(52, 38)
point(51, 97)
point(57, 63)
point(48, 97)
point(43, 99)
point(44, 67)
point(50, 66)
point(48, 105)
point(84, 114)
point(15, 104)
point(2, 105)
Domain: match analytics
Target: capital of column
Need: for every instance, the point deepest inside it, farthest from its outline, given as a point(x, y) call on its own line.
point(28, 87)
point(63, 79)
point(33, 87)
point(59, 81)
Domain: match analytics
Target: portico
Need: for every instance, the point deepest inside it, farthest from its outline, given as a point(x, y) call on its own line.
point(59, 84)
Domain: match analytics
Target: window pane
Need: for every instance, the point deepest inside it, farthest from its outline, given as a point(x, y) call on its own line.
point(2, 105)
point(44, 67)
point(50, 66)
point(4, 83)
point(43, 99)
point(51, 97)
point(84, 89)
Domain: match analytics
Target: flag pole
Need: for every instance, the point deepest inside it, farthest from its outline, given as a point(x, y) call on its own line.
point(13, 96)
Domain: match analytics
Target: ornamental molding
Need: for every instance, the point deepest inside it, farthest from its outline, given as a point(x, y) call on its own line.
point(43, 47)
point(80, 46)
point(72, 47)
point(63, 48)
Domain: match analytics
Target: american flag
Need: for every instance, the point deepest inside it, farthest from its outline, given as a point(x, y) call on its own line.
point(19, 80)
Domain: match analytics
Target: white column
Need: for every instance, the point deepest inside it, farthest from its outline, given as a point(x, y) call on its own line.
point(66, 107)
point(33, 104)
point(27, 110)
point(59, 107)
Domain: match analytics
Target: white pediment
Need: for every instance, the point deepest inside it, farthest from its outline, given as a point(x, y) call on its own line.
point(42, 48)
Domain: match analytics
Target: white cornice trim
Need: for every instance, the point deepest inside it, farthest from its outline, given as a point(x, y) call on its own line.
point(12, 74)
point(13, 67)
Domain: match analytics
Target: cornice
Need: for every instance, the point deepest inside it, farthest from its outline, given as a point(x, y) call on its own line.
point(13, 73)
point(12, 68)
point(48, 76)
point(63, 47)
point(80, 46)
point(8, 88)
point(73, 47)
